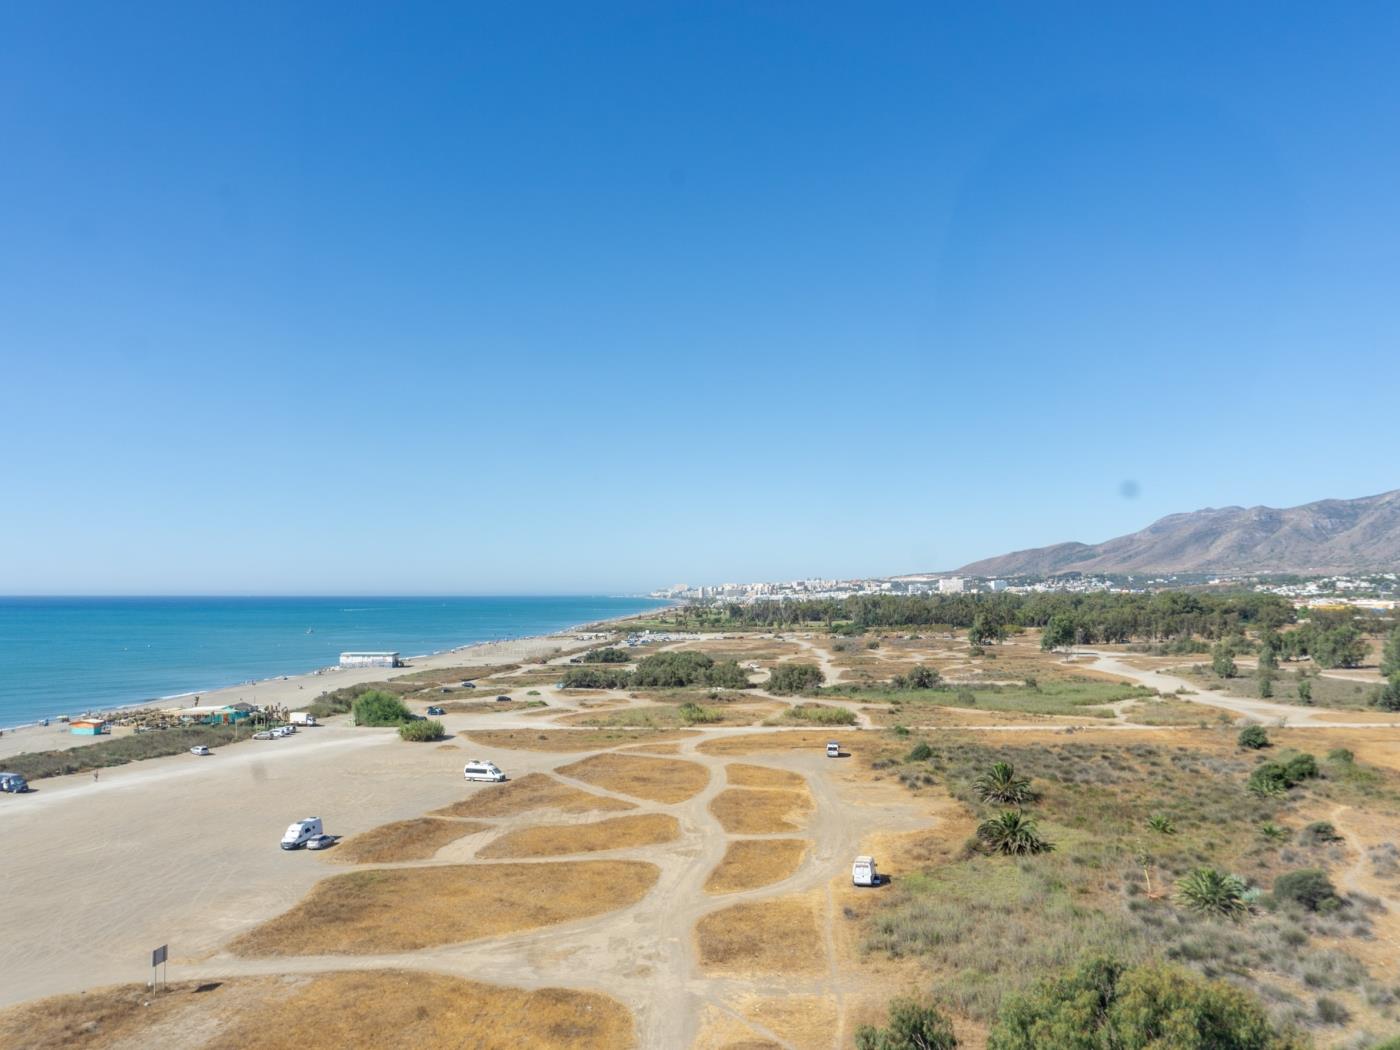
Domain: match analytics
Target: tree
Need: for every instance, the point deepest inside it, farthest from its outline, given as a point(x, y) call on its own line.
point(1390, 654)
point(923, 677)
point(912, 1026)
point(379, 708)
point(1058, 634)
point(1001, 784)
point(984, 630)
point(1388, 699)
point(1268, 659)
point(791, 678)
point(609, 655)
point(1212, 892)
point(1253, 738)
point(1222, 660)
point(1304, 690)
point(1340, 646)
point(1104, 1005)
point(1012, 833)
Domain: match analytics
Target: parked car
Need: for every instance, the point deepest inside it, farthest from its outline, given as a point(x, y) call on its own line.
point(833, 749)
point(502, 699)
point(199, 749)
point(468, 685)
point(14, 783)
point(264, 734)
point(301, 832)
point(480, 769)
point(436, 711)
point(322, 841)
point(863, 872)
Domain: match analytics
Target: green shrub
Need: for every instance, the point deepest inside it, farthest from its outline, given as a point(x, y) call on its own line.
point(378, 708)
point(919, 677)
point(693, 714)
point(1212, 892)
point(1161, 824)
point(1253, 738)
point(1305, 690)
point(118, 751)
point(1013, 833)
point(422, 729)
point(609, 655)
point(1298, 766)
point(912, 1026)
point(795, 678)
point(1102, 1005)
point(1309, 887)
point(921, 753)
point(821, 715)
point(1317, 833)
point(594, 678)
point(1001, 784)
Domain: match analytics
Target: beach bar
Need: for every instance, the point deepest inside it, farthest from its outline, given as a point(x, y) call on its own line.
point(87, 726)
point(370, 660)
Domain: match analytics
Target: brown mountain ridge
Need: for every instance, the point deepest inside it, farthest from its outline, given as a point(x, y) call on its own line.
point(1331, 535)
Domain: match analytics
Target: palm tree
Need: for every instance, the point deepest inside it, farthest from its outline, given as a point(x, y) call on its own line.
point(1212, 892)
point(1013, 833)
point(1001, 784)
point(1161, 823)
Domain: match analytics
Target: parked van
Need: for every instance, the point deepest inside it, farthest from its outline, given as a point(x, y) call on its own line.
point(863, 872)
point(300, 833)
point(13, 783)
point(478, 769)
point(302, 718)
point(833, 749)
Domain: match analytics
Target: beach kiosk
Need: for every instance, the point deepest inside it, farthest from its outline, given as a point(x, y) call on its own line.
point(376, 659)
point(87, 727)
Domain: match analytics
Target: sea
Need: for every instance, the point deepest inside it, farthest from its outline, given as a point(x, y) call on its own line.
point(68, 655)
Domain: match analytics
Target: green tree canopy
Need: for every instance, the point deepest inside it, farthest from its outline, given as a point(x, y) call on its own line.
point(912, 1026)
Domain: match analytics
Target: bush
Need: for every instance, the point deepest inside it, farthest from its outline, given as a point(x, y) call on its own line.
point(822, 715)
point(118, 751)
point(1309, 887)
point(1001, 784)
point(1253, 738)
point(1012, 833)
point(594, 678)
point(693, 714)
point(912, 1026)
point(1212, 892)
point(1305, 690)
point(919, 677)
point(610, 655)
point(794, 678)
point(422, 729)
point(1388, 699)
point(921, 753)
point(1318, 832)
point(1298, 766)
point(378, 708)
point(1103, 1005)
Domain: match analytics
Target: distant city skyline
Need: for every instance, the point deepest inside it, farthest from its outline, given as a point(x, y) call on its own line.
point(317, 300)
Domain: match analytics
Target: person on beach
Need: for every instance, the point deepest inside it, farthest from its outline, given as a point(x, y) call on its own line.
point(94, 776)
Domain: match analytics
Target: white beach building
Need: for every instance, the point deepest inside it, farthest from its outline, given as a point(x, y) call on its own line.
point(370, 660)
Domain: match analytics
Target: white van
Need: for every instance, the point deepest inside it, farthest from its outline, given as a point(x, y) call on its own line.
point(863, 872)
point(833, 749)
point(478, 769)
point(302, 718)
point(300, 833)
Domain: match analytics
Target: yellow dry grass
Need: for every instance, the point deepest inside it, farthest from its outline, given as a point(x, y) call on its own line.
point(743, 774)
point(751, 863)
point(757, 743)
point(415, 839)
point(564, 740)
point(760, 811)
point(667, 780)
point(558, 840)
point(530, 792)
point(778, 936)
point(407, 909)
point(805, 1022)
point(335, 1011)
point(653, 749)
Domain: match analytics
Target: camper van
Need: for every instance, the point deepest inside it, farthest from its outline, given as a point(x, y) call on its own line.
point(863, 872)
point(302, 718)
point(478, 769)
point(833, 749)
point(13, 783)
point(302, 832)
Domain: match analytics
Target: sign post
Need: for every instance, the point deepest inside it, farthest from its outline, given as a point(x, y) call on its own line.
point(158, 958)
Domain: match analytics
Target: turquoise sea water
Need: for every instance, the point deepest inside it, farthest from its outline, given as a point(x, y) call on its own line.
point(63, 655)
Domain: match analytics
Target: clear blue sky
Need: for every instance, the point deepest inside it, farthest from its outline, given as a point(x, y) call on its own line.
point(331, 298)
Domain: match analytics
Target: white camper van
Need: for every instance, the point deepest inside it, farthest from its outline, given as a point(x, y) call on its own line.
point(302, 832)
point(479, 769)
point(863, 872)
point(833, 749)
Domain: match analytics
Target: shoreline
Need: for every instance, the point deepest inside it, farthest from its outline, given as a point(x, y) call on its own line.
point(32, 728)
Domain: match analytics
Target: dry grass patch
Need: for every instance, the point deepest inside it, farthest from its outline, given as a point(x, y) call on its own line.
point(667, 780)
point(805, 1022)
point(415, 839)
point(760, 811)
point(562, 740)
point(558, 840)
point(407, 909)
point(530, 792)
point(771, 936)
point(757, 743)
point(751, 863)
point(355, 1011)
point(744, 774)
point(654, 749)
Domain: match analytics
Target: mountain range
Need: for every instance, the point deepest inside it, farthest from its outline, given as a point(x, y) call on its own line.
point(1329, 536)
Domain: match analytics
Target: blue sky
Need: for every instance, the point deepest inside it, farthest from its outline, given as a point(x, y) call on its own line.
point(389, 298)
